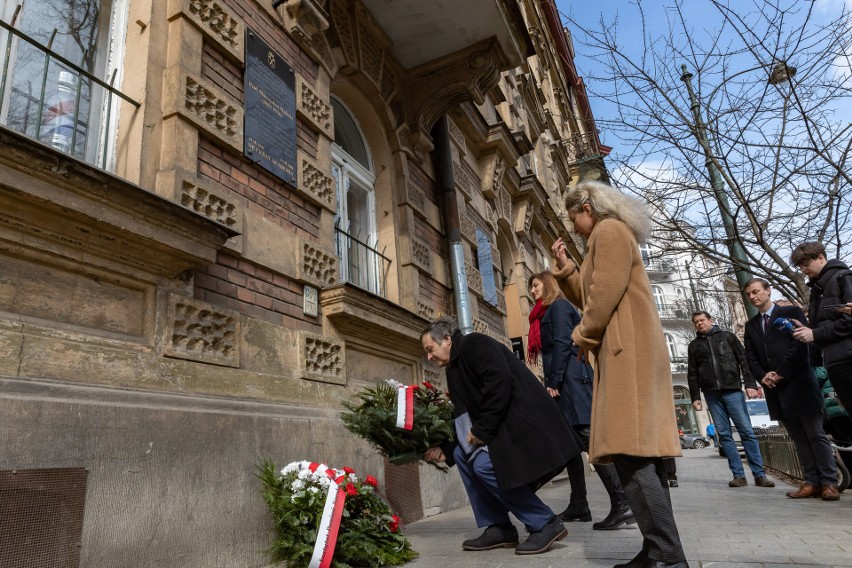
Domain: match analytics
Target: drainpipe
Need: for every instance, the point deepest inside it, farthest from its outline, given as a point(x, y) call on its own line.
point(450, 210)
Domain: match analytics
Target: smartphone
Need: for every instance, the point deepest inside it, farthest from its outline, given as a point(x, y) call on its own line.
point(834, 307)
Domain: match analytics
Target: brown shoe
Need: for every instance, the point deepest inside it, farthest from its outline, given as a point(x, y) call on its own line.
point(830, 493)
point(804, 491)
point(738, 482)
point(763, 481)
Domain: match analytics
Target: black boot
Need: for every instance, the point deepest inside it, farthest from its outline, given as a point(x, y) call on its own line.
point(576, 511)
point(619, 514)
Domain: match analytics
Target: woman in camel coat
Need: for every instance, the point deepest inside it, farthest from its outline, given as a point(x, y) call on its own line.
point(633, 421)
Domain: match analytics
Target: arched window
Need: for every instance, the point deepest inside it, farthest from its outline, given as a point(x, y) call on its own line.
point(645, 251)
point(670, 341)
point(659, 297)
point(355, 221)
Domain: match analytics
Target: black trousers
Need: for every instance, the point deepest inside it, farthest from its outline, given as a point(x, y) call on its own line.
point(840, 375)
point(647, 491)
point(606, 473)
point(813, 448)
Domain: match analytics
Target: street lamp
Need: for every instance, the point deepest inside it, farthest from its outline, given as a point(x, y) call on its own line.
point(780, 72)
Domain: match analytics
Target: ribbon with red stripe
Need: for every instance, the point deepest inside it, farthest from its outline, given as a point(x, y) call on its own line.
point(405, 407)
point(330, 522)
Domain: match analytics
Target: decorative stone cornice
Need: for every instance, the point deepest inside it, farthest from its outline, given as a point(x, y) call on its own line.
point(495, 167)
point(466, 75)
point(56, 203)
point(360, 316)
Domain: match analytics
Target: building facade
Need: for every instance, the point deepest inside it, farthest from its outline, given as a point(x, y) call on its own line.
point(221, 218)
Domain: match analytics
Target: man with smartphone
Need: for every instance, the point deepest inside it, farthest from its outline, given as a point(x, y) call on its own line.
point(830, 282)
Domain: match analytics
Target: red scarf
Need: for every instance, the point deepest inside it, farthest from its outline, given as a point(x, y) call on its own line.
point(534, 340)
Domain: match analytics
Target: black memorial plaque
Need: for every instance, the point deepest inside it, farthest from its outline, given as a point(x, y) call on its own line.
point(270, 115)
point(518, 347)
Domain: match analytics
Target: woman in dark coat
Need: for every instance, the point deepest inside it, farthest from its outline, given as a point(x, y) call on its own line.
point(569, 381)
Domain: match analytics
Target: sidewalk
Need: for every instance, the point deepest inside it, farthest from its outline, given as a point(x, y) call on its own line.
point(719, 526)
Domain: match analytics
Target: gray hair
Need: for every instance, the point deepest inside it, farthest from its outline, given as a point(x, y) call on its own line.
point(441, 328)
point(609, 203)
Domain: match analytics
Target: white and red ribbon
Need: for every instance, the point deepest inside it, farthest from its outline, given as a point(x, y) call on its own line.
point(405, 407)
point(330, 521)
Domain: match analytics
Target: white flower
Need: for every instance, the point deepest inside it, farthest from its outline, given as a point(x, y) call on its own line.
point(313, 490)
point(394, 383)
point(297, 485)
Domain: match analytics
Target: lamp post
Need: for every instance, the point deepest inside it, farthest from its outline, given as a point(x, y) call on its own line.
point(781, 72)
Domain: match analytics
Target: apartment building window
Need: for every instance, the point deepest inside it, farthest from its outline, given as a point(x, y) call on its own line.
point(361, 263)
point(645, 251)
point(61, 62)
point(659, 297)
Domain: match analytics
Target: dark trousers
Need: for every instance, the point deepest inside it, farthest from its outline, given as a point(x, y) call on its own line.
point(813, 448)
point(671, 468)
point(492, 505)
point(647, 490)
point(606, 472)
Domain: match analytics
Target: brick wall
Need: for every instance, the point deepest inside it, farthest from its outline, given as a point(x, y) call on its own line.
point(247, 288)
point(492, 317)
point(436, 295)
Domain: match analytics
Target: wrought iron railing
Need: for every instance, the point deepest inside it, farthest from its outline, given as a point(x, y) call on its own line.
point(65, 102)
point(679, 364)
point(580, 146)
point(779, 451)
point(361, 264)
point(659, 265)
point(673, 311)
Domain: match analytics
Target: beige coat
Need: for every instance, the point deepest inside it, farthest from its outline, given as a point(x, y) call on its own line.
point(632, 404)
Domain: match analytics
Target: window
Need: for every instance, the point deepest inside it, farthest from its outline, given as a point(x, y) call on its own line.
point(486, 267)
point(670, 342)
point(57, 55)
point(659, 297)
point(361, 263)
point(645, 251)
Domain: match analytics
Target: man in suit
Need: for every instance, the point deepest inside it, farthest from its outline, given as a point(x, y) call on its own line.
point(511, 437)
point(782, 365)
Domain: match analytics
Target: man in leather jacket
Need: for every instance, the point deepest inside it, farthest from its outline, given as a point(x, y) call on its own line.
point(717, 367)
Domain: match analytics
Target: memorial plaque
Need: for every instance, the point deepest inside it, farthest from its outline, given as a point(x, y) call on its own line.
point(270, 113)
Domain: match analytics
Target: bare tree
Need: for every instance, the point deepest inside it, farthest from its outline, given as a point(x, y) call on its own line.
point(772, 81)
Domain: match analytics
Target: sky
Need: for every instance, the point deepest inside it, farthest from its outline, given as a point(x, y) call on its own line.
point(701, 16)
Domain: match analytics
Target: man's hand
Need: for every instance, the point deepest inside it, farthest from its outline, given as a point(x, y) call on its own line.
point(473, 440)
point(771, 379)
point(434, 455)
point(553, 392)
point(696, 404)
point(802, 332)
point(752, 393)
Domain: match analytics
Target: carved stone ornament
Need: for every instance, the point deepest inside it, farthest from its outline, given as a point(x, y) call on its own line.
point(504, 205)
point(321, 359)
point(316, 265)
point(501, 301)
point(468, 228)
point(474, 278)
point(313, 109)
point(415, 197)
point(215, 205)
point(457, 137)
point(201, 332)
point(316, 184)
point(216, 21)
point(205, 106)
point(480, 326)
point(421, 256)
point(425, 310)
point(306, 22)
point(495, 167)
point(434, 376)
point(491, 213)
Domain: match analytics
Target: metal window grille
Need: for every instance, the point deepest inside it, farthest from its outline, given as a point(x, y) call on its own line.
point(362, 265)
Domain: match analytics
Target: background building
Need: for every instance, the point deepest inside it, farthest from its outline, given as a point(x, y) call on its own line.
point(220, 218)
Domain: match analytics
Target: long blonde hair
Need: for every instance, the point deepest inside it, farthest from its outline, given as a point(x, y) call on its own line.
point(609, 203)
point(550, 291)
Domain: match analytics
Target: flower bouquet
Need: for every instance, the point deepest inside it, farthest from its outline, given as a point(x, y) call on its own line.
point(375, 415)
point(328, 517)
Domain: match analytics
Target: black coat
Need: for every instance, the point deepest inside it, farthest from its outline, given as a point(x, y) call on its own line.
point(715, 362)
point(562, 370)
point(798, 394)
point(528, 440)
point(832, 329)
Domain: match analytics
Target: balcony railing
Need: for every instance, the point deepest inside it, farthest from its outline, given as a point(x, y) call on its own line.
point(49, 98)
point(673, 311)
point(362, 265)
point(580, 146)
point(659, 265)
point(679, 364)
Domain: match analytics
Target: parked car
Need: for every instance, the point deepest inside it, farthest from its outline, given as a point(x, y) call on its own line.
point(696, 441)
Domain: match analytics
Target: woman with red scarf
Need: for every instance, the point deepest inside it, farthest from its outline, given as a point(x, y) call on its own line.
point(569, 381)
